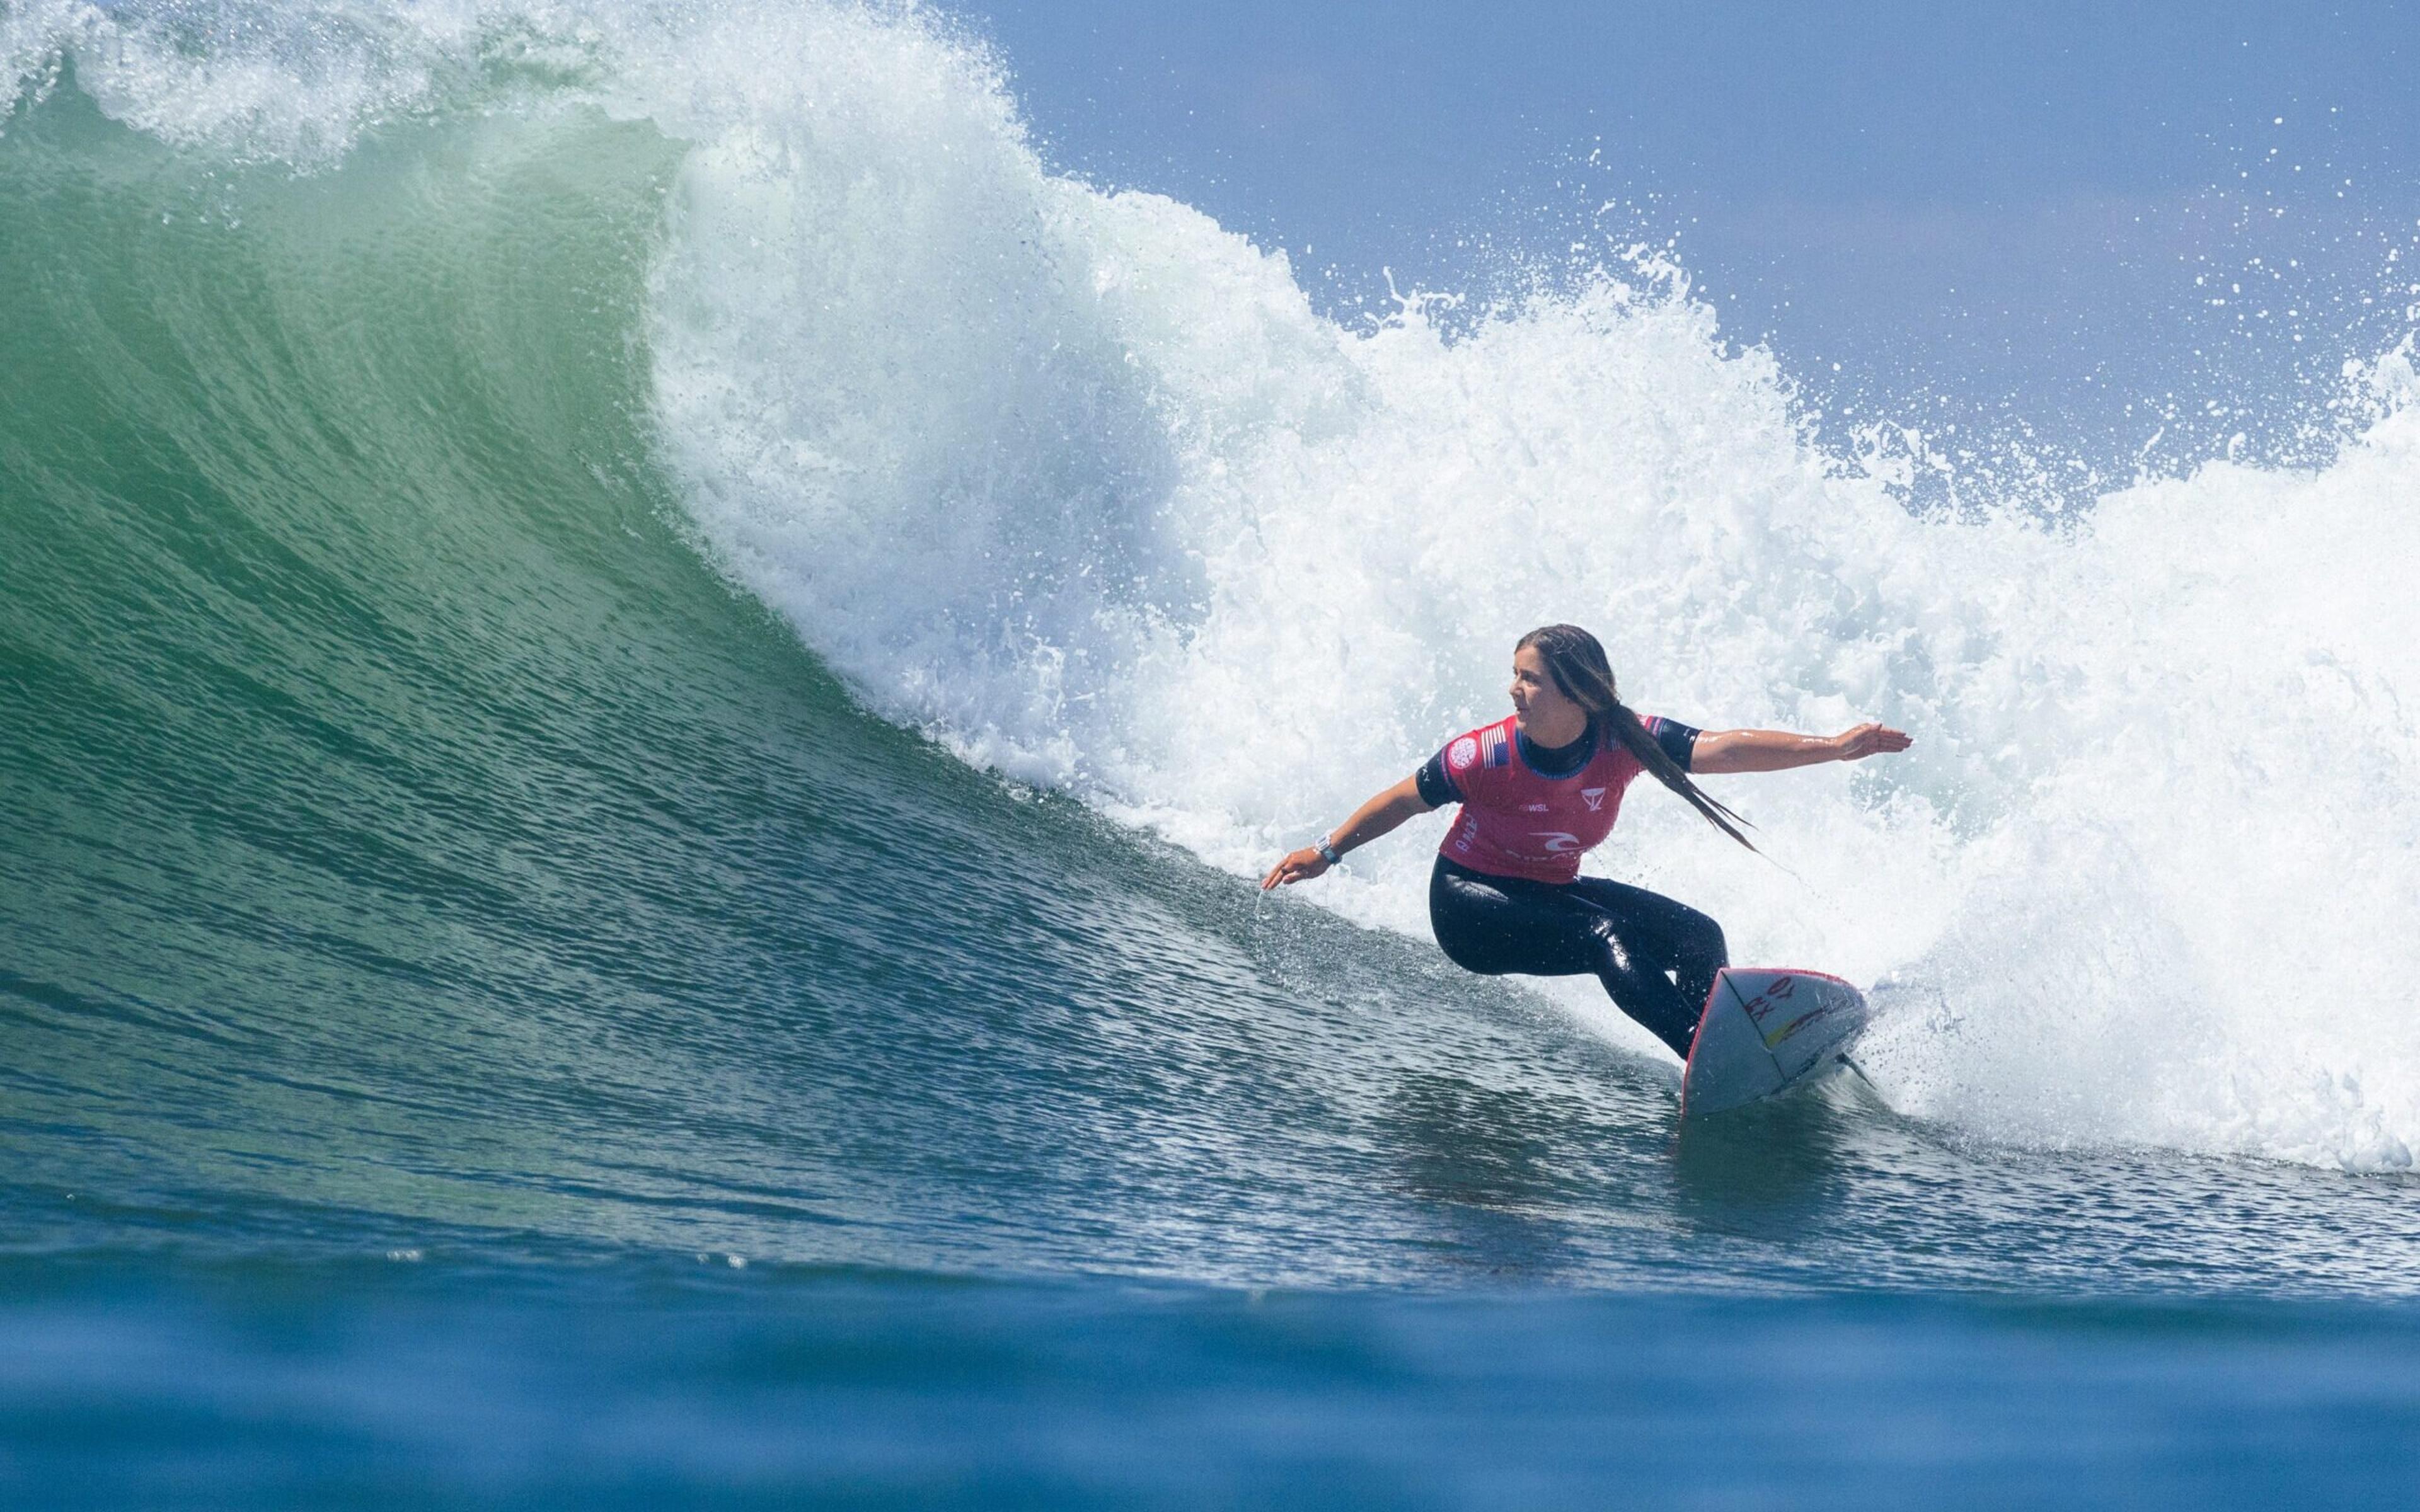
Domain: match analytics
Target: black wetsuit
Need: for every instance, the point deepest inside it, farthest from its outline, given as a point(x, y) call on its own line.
point(1656, 958)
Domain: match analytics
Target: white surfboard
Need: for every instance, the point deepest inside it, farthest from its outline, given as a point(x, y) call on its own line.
point(1764, 1031)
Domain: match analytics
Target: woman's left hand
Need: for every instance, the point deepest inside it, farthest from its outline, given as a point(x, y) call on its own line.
point(1872, 738)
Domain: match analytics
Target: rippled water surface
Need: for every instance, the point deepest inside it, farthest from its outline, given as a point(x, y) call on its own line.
point(635, 708)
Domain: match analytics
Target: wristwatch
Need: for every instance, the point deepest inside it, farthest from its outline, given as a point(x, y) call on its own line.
point(1327, 849)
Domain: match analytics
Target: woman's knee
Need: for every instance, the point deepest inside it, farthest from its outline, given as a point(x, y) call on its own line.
point(1611, 955)
point(1469, 954)
point(1692, 937)
point(1704, 941)
point(1463, 932)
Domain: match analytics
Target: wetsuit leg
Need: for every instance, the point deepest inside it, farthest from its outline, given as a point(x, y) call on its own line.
point(1626, 937)
point(1500, 925)
point(1645, 936)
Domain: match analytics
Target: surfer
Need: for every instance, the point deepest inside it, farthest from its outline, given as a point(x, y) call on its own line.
point(1539, 788)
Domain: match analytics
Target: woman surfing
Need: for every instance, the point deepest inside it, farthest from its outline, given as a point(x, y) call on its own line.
point(1542, 787)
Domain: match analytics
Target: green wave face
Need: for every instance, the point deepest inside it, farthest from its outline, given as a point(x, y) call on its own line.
point(395, 802)
point(358, 699)
point(410, 832)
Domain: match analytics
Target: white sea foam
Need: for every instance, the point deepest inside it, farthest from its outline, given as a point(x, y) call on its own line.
point(1082, 485)
point(295, 81)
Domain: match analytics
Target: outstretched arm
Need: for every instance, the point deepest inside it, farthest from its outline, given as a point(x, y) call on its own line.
point(1383, 812)
point(1777, 750)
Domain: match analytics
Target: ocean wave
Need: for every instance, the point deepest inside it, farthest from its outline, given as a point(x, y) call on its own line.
point(1083, 486)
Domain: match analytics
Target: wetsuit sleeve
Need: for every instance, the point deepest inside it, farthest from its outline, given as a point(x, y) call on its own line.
point(1437, 787)
point(1678, 740)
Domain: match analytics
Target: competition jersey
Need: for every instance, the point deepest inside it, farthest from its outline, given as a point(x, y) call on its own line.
point(1519, 822)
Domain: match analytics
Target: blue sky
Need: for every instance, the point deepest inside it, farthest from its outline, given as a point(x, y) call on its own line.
point(2006, 203)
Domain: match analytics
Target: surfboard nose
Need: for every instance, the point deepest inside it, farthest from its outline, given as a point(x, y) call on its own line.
point(1764, 1030)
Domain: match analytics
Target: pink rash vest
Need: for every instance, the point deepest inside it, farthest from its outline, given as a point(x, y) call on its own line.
point(1517, 821)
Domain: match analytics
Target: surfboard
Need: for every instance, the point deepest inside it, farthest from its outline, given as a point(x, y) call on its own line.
point(1766, 1030)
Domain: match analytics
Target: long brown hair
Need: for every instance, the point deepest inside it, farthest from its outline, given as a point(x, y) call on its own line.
point(1577, 663)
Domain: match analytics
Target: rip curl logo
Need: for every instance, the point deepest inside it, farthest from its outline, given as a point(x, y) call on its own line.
point(1556, 841)
point(1595, 797)
point(1461, 753)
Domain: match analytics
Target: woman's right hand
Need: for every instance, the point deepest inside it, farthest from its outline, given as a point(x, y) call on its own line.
point(1296, 865)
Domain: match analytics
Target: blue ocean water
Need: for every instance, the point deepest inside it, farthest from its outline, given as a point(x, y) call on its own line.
point(636, 1385)
point(642, 674)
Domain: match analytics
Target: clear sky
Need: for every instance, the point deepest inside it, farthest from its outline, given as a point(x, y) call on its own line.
point(2009, 203)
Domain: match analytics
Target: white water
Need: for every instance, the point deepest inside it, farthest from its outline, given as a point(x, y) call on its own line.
point(1080, 483)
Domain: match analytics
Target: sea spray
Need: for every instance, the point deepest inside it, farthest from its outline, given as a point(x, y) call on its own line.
point(1082, 486)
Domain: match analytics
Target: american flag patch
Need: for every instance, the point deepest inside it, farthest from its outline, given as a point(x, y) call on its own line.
point(1498, 751)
